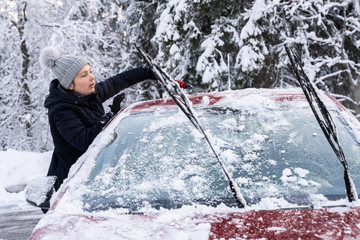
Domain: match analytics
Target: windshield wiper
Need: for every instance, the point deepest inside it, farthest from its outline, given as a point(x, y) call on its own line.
point(324, 119)
point(183, 102)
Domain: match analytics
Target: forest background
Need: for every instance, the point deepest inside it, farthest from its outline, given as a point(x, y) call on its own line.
point(215, 45)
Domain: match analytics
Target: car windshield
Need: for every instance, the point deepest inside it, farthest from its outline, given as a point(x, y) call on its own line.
point(159, 159)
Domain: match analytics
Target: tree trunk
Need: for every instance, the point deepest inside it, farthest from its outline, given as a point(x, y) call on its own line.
point(25, 90)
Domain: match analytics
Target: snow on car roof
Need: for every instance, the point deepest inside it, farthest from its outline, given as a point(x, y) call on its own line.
point(250, 97)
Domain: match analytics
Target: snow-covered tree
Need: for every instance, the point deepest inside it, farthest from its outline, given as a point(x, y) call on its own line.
point(328, 33)
point(199, 39)
point(138, 26)
point(18, 123)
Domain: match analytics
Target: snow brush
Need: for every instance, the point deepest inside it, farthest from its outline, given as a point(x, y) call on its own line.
point(179, 97)
point(184, 84)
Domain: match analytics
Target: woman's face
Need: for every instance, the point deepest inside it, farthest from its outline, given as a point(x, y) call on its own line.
point(84, 82)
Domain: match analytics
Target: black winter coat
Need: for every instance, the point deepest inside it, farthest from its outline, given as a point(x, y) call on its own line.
point(75, 121)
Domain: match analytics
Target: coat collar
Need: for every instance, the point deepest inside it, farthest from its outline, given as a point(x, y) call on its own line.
point(60, 95)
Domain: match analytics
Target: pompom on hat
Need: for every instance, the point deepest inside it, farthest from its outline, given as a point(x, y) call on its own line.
point(65, 68)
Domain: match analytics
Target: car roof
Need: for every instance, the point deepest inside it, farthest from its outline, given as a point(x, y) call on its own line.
point(219, 98)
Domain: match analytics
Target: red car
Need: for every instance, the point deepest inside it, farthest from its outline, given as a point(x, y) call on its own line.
point(151, 175)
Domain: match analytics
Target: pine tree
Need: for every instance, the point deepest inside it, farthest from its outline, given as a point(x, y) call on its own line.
point(197, 39)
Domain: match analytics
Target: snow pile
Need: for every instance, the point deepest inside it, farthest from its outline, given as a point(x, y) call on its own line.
point(17, 169)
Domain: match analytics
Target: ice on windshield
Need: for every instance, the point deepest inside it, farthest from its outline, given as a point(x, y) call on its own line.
point(159, 159)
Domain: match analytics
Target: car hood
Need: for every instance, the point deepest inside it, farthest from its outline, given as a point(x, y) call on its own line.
point(338, 222)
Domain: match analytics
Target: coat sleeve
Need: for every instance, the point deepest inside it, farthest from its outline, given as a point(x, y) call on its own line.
point(111, 86)
point(71, 128)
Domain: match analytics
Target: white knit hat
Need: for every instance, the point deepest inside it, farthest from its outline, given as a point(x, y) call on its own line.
point(65, 68)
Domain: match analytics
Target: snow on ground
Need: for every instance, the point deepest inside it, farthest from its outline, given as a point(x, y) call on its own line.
point(17, 168)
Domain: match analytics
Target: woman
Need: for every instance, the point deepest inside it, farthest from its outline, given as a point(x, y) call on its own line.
point(75, 110)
